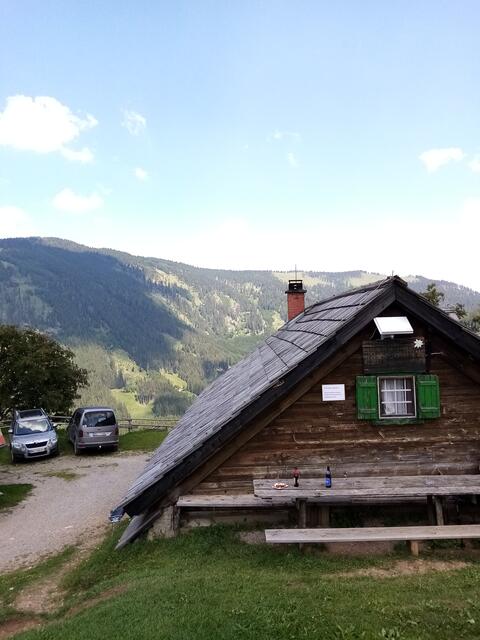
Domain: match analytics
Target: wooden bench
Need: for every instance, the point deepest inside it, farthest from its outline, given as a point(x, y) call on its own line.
point(234, 501)
point(373, 534)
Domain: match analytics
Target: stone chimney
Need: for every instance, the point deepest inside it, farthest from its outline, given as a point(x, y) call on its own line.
point(295, 298)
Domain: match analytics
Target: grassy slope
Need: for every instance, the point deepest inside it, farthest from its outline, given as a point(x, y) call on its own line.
point(135, 409)
point(12, 583)
point(208, 585)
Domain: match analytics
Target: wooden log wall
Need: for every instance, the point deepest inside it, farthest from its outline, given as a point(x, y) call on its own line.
point(312, 434)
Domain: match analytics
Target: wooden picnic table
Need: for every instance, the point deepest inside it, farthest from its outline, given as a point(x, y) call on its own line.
point(392, 487)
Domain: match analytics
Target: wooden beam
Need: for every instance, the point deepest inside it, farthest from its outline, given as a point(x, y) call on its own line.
point(438, 510)
point(372, 534)
point(302, 513)
point(431, 511)
point(235, 501)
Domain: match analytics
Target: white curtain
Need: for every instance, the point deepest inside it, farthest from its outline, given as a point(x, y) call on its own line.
point(395, 395)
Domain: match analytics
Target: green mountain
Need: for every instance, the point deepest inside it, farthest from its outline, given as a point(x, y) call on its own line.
point(155, 331)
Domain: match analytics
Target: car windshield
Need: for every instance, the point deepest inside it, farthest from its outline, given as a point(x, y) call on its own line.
point(34, 425)
point(99, 419)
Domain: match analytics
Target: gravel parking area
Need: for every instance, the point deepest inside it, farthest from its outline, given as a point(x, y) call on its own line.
point(70, 502)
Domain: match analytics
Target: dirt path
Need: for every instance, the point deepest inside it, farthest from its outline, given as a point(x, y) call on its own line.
point(60, 511)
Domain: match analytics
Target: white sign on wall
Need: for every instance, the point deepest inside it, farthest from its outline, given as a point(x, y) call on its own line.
point(333, 392)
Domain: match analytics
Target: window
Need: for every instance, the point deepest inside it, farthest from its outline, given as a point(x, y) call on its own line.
point(99, 419)
point(396, 397)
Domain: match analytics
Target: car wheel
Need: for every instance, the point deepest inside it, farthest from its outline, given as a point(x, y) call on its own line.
point(76, 450)
point(115, 447)
point(13, 457)
point(55, 453)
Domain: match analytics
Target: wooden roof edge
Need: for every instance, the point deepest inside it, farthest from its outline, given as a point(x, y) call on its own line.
point(468, 340)
point(159, 488)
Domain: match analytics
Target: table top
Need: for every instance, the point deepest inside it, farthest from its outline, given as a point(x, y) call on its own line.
point(395, 486)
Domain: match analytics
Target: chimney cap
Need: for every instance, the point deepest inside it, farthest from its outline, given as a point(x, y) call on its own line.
point(295, 286)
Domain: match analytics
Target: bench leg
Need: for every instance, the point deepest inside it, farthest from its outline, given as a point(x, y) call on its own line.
point(439, 511)
point(414, 548)
point(302, 513)
point(431, 511)
point(302, 519)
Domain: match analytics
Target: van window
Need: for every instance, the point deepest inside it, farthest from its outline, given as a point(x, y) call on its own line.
point(99, 419)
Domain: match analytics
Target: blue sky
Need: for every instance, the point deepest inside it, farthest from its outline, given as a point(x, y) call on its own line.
point(253, 134)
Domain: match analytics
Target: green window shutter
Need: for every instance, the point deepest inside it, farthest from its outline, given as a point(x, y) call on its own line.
point(367, 398)
point(428, 396)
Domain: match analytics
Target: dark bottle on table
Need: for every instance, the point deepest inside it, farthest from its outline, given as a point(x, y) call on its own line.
point(328, 478)
point(296, 475)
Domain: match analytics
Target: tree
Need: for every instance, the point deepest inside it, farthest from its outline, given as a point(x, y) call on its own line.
point(460, 311)
point(472, 321)
point(433, 295)
point(36, 371)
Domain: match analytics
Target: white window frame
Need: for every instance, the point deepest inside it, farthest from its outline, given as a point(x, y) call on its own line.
point(414, 400)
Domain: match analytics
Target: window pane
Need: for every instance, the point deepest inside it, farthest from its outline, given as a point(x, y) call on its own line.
point(396, 397)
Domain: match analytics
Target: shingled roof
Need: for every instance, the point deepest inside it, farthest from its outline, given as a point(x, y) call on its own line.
point(251, 385)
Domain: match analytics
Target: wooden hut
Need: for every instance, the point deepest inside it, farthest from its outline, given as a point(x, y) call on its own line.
point(373, 382)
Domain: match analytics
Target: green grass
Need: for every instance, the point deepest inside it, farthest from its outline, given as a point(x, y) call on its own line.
point(134, 408)
point(208, 585)
point(142, 440)
point(12, 494)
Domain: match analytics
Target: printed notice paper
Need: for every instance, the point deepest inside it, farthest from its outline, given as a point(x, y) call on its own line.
point(333, 392)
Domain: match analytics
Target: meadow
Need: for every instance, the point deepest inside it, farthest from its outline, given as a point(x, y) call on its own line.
point(209, 584)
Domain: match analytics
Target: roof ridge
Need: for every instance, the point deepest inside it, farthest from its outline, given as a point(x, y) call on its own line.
point(369, 287)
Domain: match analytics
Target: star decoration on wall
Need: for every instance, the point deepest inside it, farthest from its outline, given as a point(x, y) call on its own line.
point(418, 343)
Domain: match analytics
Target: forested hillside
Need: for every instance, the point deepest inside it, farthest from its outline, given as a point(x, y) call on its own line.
point(153, 332)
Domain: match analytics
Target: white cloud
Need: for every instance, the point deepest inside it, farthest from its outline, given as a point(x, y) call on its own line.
point(140, 174)
point(292, 160)
point(134, 122)
point(436, 158)
point(44, 125)
point(15, 223)
point(84, 155)
point(286, 135)
point(475, 164)
point(70, 202)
